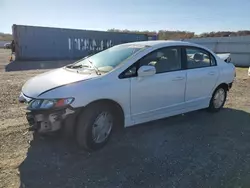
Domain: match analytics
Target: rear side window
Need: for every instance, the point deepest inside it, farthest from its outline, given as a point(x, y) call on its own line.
point(199, 58)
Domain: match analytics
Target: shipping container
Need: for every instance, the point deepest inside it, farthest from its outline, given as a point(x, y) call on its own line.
point(152, 37)
point(45, 43)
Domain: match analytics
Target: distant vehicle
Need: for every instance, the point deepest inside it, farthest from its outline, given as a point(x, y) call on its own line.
point(7, 45)
point(125, 85)
point(249, 71)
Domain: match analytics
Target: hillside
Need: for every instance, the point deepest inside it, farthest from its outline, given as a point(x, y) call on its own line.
point(173, 35)
point(165, 34)
point(5, 37)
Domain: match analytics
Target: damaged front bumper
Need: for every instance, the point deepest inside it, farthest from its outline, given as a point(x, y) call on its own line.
point(44, 121)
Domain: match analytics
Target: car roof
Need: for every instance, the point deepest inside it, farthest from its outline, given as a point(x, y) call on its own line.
point(165, 43)
point(159, 42)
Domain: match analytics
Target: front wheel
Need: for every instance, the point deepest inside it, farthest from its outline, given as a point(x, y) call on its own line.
point(94, 127)
point(218, 99)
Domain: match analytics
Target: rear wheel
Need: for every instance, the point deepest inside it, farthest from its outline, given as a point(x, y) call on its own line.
point(94, 126)
point(218, 99)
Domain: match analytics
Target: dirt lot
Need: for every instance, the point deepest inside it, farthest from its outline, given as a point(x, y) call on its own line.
point(197, 149)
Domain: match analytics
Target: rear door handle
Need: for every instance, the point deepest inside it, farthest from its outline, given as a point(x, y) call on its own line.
point(178, 78)
point(211, 73)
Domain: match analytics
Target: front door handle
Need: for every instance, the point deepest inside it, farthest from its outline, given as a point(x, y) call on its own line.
point(211, 73)
point(178, 78)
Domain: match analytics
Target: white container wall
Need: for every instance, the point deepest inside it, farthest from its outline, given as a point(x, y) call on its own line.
point(239, 47)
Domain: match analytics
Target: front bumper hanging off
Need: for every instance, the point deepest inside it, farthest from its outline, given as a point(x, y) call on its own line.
point(47, 120)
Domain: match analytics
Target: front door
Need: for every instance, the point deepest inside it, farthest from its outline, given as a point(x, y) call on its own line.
point(162, 94)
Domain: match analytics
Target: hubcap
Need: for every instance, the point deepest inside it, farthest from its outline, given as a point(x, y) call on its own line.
point(102, 127)
point(219, 98)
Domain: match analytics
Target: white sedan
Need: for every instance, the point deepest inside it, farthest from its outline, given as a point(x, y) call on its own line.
point(125, 85)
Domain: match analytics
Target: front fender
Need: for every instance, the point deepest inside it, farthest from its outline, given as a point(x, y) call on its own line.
point(92, 90)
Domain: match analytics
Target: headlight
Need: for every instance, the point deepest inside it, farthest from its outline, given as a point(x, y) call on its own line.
point(37, 104)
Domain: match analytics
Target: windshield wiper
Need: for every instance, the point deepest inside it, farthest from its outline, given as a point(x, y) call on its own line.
point(72, 66)
point(96, 69)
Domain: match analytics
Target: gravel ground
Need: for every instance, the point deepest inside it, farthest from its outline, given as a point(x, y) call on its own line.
point(197, 149)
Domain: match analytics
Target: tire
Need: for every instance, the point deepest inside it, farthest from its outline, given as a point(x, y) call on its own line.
point(86, 125)
point(213, 107)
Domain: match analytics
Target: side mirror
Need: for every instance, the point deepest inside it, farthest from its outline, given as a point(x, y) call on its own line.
point(146, 70)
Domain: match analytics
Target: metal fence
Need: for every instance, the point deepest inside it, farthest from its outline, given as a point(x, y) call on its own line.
point(239, 47)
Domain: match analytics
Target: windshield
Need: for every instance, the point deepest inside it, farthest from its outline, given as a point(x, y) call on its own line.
point(108, 59)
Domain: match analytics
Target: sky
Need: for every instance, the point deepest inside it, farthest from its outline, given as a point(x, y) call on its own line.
point(189, 15)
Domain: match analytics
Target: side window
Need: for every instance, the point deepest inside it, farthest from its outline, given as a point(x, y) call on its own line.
point(198, 58)
point(130, 72)
point(164, 60)
point(213, 61)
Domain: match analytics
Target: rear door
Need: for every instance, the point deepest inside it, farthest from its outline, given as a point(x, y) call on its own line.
point(202, 75)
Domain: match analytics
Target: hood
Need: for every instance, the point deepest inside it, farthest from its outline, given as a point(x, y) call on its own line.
point(52, 79)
